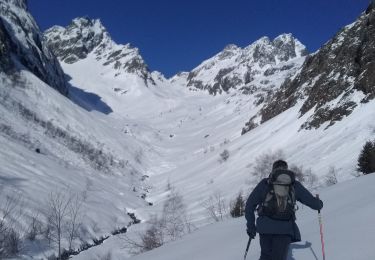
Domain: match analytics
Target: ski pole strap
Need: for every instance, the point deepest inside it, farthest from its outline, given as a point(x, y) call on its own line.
point(247, 248)
point(317, 196)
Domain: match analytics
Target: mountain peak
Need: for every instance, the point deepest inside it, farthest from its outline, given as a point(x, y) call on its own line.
point(19, 3)
point(230, 47)
point(289, 46)
point(78, 39)
point(283, 48)
point(94, 25)
point(84, 36)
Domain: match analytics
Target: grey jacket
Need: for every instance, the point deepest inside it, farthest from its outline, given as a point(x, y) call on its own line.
point(266, 225)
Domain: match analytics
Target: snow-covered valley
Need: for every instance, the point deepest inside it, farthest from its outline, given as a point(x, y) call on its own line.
point(123, 135)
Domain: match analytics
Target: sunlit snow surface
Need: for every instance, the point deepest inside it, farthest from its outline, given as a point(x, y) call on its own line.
point(348, 234)
point(175, 135)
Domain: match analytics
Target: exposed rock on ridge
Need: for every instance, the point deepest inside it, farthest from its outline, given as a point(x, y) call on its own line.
point(21, 43)
point(334, 80)
point(86, 36)
point(237, 68)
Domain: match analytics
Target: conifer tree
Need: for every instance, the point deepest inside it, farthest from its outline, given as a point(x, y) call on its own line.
point(238, 206)
point(366, 159)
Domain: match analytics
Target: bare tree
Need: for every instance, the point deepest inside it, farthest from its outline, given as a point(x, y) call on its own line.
point(174, 215)
point(10, 210)
point(215, 207)
point(35, 228)
point(57, 210)
point(74, 218)
point(263, 164)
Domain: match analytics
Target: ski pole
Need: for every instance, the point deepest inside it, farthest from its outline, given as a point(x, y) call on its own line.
point(247, 248)
point(321, 231)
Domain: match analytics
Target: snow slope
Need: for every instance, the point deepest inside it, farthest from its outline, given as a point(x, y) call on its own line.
point(188, 130)
point(163, 133)
point(33, 115)
point(345, 223)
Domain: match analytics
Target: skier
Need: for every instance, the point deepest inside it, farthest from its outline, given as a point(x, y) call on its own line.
point(274, 199)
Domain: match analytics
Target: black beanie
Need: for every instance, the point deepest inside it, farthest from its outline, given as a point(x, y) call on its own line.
point(279, 164)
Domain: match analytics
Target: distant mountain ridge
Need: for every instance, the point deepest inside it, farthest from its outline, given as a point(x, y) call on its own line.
point(277, 73)
point(248, 68)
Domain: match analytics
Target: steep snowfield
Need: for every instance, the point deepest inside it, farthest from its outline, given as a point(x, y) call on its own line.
point(33, 115)
point(348, 233)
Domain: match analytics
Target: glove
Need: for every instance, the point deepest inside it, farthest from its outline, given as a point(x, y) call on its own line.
point(251, 233)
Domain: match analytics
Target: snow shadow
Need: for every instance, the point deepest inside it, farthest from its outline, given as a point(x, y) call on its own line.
point(307, 245)
point(10, 181)
point(87, 100)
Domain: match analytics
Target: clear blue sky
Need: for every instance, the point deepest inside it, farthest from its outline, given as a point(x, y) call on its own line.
point(177, 35)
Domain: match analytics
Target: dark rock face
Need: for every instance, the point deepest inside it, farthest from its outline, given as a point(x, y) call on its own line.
point(331, 78)
point(22, 41)
point(5, 61)
point(250, 125)
point(78, 39)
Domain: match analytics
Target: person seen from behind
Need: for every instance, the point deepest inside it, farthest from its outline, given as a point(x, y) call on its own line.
point(274, 199)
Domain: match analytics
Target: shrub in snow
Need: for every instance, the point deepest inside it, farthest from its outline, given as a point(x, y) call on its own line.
point(305, 176)
point(215, 207)
point(237, 207)
point(12, 243)
point(152, 238)
point(224, 155)
point(172, 224)
point(311, 179)
point(35, 228)
point(366, 159)
point(298, 171)
point(331, 177)
point(263, 164)
point(93, 153)
point(10, 239)
point(225, 142)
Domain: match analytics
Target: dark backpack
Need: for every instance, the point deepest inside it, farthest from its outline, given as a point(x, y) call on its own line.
point(279, 202)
